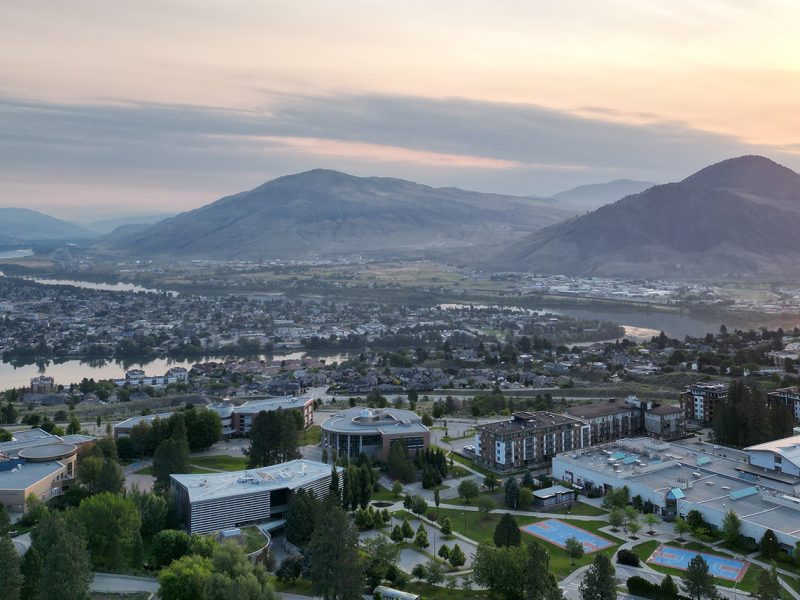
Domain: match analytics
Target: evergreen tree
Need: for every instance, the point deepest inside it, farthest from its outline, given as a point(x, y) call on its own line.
point(274, 438)
point(770, 547)
point(31, 571)
point(456, 556)
point(398, 465)
point(408, 532)
point(397, 534)
point(171, 456)
point(65, 572)
point(669, 589)
point(421, 537)
point(335, 569)
point(599, 582)
point(698, 582)
point(769, 588)
point(540, 583)
point(731, 525)
point(447, 526)
point(10, 574)
point(512, 492)
point(507, 533)
point(303, 513)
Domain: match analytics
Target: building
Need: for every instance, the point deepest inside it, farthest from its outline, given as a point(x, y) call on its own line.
point(124, 428)
point(609, 421)
point(678, 478)
point(36, 462)
point(665, 421)
point(243, 415)
point(361, 430)
point(217, 501)
point(527, 439)
point(138, 378)
point(553, 496)
point(789, 397)
point(700, 399)
point(42, 385)
point(779, 456)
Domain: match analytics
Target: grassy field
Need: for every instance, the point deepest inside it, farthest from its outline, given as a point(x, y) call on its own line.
point(384, 495)
point(311, 436)
point(254, 539)
point(220, 463)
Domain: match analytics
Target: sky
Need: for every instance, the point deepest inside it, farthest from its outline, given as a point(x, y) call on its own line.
point(113, 108)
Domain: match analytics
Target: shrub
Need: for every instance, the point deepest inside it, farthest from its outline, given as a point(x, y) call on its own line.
point(626, 557)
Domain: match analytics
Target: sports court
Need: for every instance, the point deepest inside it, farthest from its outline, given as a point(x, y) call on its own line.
point(718, 566)
point(557, 532)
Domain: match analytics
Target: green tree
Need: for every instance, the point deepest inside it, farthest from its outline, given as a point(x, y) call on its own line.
point(335, 569)
point(599, 582)
point(397, 489)
point(64, 571)
point(525, 497)
point(731, 527)
point(74, 425)
point(501, 570)
point(490, 481)
point(274, 438)
point(421, 537)
point(303, 513)
point(682, 528)
point(650, 519)
point(447, 527)
point(540, 583)
point(770, 547)
point(397, 534)
point(112, 544)
point(408, 531)
point(769, 588)
point(398, 464)
point(436, 498)
point(5, 519)
point(152, 512)
point(381, 557)
point(512, 492)
point(31, 571)
point(574, 548)
point(669, 589)
point(507, 533)
point(203, 428)
point(485, 505)
point(171, 457)
point(697, 581)
point(185, 579)
point(634, 527)
point(10, 574)
point(434, 572)
point(616, 518)
point(110, 478)
point(456, 556)
point(468, 489)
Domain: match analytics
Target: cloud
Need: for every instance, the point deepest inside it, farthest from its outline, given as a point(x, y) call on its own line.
point(205, 152)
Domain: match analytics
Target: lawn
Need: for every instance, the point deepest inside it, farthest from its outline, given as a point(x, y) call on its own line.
point(310, 437)
point(222, 462)
point(384, 495)
point(254, 539)
point(582, 509)
point(300, 586)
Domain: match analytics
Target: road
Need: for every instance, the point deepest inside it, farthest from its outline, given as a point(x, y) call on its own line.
point(122, 584)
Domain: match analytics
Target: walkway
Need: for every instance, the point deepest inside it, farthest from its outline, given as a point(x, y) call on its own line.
point(110, 583)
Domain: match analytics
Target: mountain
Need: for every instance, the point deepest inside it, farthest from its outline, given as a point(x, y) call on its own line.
point(324, 213)
point(592, 196)
point(108, 225)
point(740, 217)
point(21, 226)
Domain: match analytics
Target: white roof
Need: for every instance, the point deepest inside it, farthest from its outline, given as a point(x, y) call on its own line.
point(129, 423)
point(787, 447)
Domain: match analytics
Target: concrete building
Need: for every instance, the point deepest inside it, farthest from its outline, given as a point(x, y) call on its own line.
point(362, 430)
point(138, 378)
point(665, 421)
point(528, 439)
point(789, 397)
point(243, 415)
point(608, 421)
point(778, 456)
point(217, 501)
point(553, 496)
point(677, 478)
point(700, 399)
point(42, 385)
point(36, 462)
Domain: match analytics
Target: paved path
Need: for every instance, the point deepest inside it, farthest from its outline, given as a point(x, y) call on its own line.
point(122, 584)
point(22, 543)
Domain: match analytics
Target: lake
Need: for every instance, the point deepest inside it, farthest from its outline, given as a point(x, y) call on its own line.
point(16, 253)
point(109, 287)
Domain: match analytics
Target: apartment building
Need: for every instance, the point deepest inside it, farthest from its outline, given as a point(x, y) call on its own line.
point(701, 399)
point(789, 397)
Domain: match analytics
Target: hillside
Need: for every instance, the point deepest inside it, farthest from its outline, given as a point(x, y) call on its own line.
point(737, 218)
point(592, 196)
point(327, 214)
point(105, 226)
point(21, 226)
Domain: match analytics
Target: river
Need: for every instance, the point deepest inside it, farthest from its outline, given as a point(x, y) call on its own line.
point(22, 253)
point(73, 371)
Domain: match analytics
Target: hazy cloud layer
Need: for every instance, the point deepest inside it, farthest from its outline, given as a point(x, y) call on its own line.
point(138, 156)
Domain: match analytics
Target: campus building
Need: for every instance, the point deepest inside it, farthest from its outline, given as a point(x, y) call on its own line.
point(700, 400)
point(238, 420)
point(217, 501)
point(361, 430)
point(124, 428)
point(36, 462)
point(608, 421)
point(527, 439)
point(779, 456)
point(677, 478)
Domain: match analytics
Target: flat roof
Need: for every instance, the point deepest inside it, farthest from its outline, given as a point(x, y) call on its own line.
point(26, 439)
point(524, 421)
point(789, 446)
point(289, 475)
point(665, 409)
point(51, 451)
point(599, 409)
point(27, 474)
point(133, 421)
point(380, 421)
point(286, 402)
point(552, 491)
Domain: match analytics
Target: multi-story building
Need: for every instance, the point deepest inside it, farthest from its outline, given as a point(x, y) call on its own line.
point(609, 421)
point(701, 399)
point(217, 501)
point(527, 439)
point(778, 456)
point(42, 385)
point(789, 397)
point(665, 421)
point(361, 430)
point(243, 415)
point(124, 428)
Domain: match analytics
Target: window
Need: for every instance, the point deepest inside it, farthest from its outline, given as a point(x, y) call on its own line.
point(413, 442)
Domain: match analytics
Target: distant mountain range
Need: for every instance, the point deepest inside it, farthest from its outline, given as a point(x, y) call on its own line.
point(104, 226)
point(737, 218)
point(22, 227)
point(594, 195)
point(327, 214)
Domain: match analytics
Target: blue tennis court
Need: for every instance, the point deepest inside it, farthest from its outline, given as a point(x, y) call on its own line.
point(718, 566)
point(557, 532)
